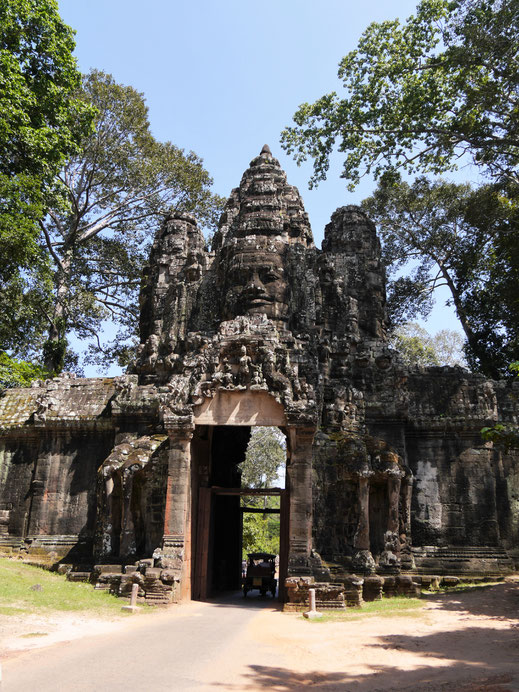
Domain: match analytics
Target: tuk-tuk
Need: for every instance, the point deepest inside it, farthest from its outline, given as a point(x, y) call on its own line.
point(261, 570)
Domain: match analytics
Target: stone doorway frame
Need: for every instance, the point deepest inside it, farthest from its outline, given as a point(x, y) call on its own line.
point(235, 408)
point(201, 587)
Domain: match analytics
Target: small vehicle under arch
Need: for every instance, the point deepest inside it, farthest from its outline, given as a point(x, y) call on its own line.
point(260, 574)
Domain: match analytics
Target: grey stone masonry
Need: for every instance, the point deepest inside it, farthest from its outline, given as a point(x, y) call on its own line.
point(388, 478)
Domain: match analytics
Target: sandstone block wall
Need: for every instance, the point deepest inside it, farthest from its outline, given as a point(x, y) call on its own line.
point(385, 464)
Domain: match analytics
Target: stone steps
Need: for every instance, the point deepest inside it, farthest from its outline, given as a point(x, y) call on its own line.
point(78, 576)
point(462, 560)
point(10, 545)
point(54, 541)
point(460, 550)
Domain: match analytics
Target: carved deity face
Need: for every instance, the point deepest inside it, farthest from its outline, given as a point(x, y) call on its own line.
point(254, 282)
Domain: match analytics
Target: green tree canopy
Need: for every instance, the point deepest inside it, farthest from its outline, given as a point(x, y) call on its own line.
point(265, 455)
point(264, 460)
point(489, 277)
point(41, 121)
point(17, 373)
point(419, 95)
point(417, 347)
point(444, 234)
point(116, 190)
point(260, 533)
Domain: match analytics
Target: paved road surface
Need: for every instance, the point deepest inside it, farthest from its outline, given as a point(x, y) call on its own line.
point(180, 649)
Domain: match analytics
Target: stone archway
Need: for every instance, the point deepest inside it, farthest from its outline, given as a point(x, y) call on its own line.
point(189, 492)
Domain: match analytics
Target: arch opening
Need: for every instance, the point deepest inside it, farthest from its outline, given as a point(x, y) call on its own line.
point(227, 490)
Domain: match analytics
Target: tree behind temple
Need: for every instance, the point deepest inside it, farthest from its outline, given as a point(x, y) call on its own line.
point(42, 121)
point(265, 456)
point(264, 460)
point(116, 191)
point(437, 233)
point(420, 95)
point(417, 347)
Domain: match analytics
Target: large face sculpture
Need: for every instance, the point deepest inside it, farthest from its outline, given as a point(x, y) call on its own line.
point(254, 280)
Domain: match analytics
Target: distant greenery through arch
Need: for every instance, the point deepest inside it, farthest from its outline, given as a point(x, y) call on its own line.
point(263, 468)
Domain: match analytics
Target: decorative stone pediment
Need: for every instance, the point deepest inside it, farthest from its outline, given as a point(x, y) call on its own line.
point(240, 408)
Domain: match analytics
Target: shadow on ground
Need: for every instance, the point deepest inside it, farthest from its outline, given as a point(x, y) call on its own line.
point(470, 659)
point(499, 601)
point(236, 599)
point(280, 679)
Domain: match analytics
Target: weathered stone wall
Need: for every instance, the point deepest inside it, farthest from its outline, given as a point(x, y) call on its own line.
point(17, 457)
point(336, 511)
point(54, 437)
point(507, 472)
point(455, 499)
point(49, 484)
point(458, 478)
point(383, 462)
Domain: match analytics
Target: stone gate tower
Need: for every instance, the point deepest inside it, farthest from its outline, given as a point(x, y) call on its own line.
point(386, 470)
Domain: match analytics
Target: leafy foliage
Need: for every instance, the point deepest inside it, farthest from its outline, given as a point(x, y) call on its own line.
point(25, 298)
point(489, 277)
point(422, 224)
point(18, 373)
point(417, 347)
point(449, 347)
point(117, 189)
point(265, 455)
point(260, 533)
point(421, 95)
point(446, 234)
point(41, 123)
point(264, 458)
point(41, 120)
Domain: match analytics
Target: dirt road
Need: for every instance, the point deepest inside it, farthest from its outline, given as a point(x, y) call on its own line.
point(463, 642)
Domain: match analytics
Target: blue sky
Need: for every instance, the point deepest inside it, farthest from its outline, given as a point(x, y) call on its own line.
point(224, 77)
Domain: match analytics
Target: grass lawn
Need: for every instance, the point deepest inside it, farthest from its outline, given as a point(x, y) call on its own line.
point(397, 606)
point(56, 593)
point(462, 586)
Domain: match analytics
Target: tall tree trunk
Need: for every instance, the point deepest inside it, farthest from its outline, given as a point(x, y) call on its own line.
point(55, 347)
point(486, 364)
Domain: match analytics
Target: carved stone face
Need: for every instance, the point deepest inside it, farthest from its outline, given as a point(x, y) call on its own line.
point(254, 283)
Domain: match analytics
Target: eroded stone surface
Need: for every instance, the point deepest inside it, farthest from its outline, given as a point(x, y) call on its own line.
point(386, 467)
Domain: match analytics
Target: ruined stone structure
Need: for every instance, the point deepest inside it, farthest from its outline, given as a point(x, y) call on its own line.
point(387, 475)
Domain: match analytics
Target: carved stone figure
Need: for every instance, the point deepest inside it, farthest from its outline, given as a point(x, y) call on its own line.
point(137, 478)
point(254, 281)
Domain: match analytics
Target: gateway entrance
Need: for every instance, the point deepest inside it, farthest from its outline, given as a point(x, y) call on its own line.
point(219, 507)
point(202, 503)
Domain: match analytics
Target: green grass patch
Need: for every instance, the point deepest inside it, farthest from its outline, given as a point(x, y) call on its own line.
point(399, 606)
point(17, 597)
point(461, 587)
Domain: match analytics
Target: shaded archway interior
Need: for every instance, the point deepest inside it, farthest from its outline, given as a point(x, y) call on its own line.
point(217, 452)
